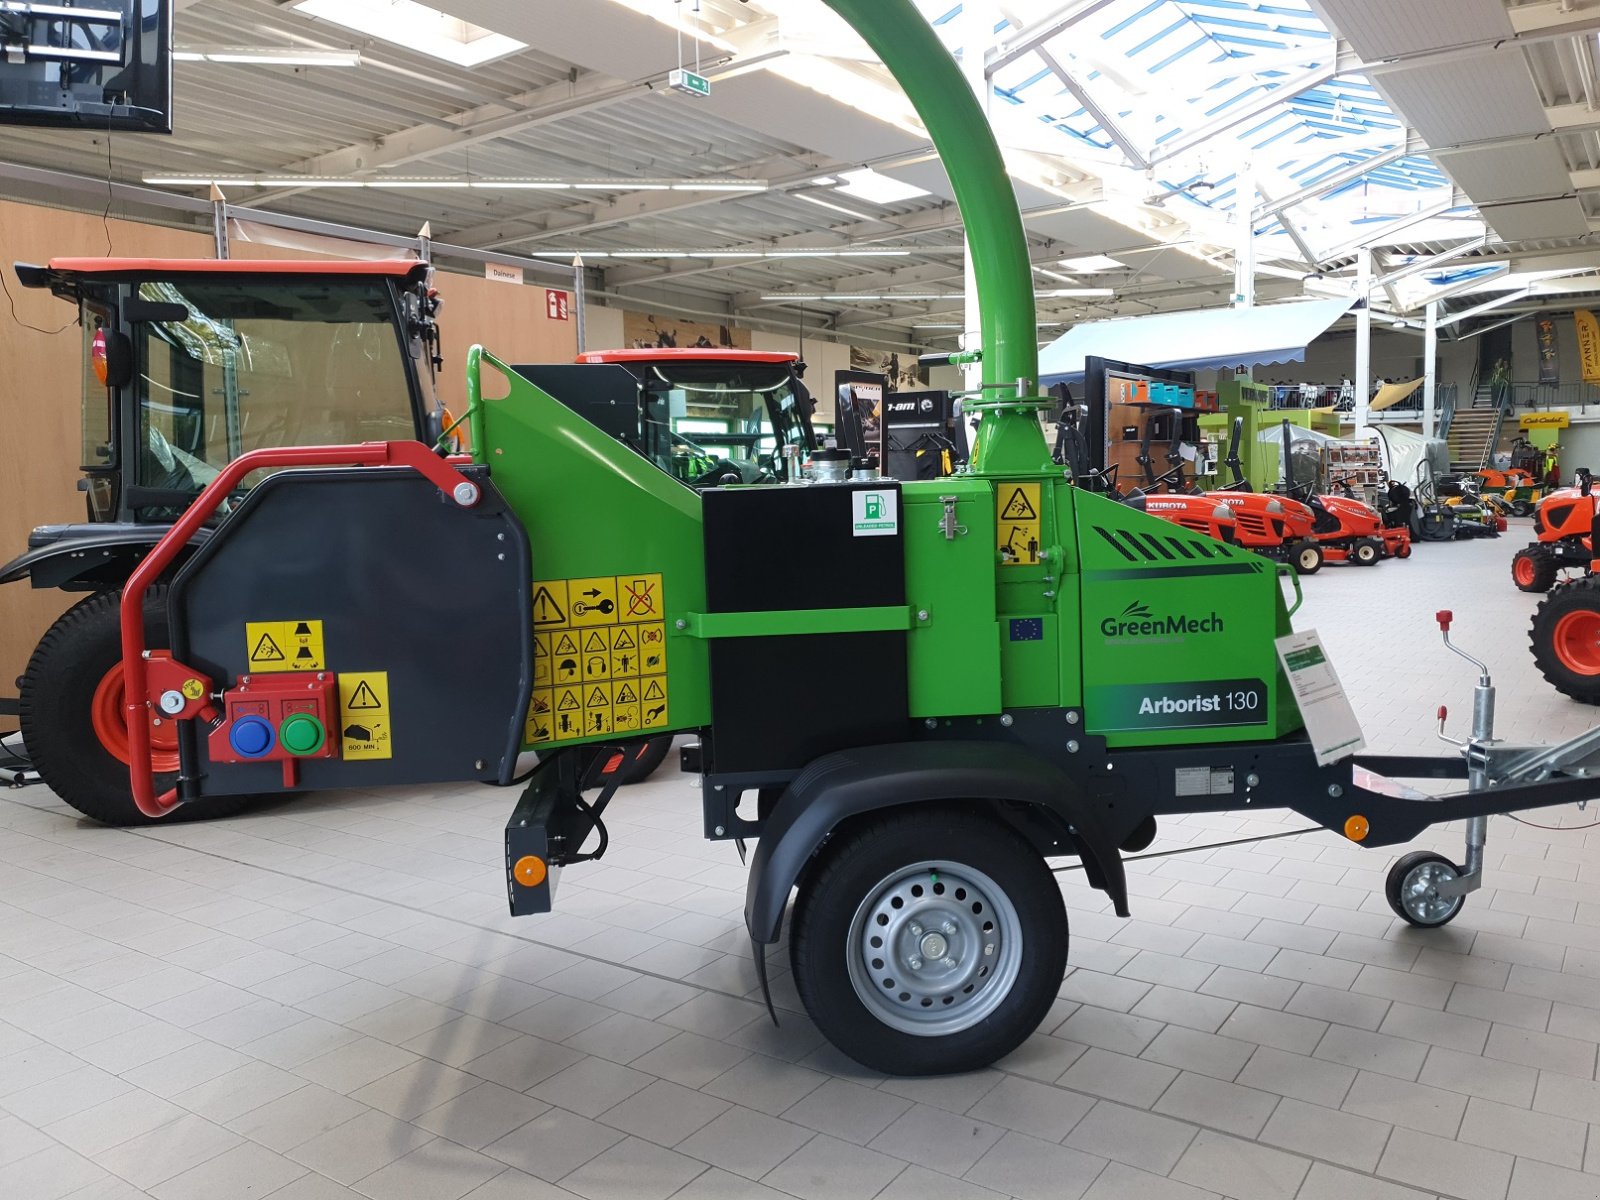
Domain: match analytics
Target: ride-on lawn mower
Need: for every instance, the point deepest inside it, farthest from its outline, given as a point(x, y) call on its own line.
point(1564, 525)
point(1347, 529)
point(1517, 488)
point(1281, 527)
point(1051, 701)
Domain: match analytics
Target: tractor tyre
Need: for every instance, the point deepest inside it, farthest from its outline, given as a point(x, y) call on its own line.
point(929, 941)
point(644, 758)
point(1306, 556)
point(1365, 552)
point(1521, 508)
point(1565, 637)
point(74, 724)
point(1534, 569)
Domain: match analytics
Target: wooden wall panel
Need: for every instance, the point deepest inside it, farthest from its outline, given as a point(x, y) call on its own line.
point(39, 399)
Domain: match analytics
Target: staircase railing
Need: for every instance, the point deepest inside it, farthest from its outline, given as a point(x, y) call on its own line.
point(1447, 409)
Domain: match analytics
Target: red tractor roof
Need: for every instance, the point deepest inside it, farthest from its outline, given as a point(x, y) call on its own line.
point(685, 354)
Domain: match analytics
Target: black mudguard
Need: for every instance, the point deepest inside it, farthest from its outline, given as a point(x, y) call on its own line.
point(88, 557)
point(852, 782)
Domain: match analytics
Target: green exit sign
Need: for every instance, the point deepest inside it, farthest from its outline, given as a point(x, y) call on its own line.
point(688, 81)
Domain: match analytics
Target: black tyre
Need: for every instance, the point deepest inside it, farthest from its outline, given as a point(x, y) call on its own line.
point(1306, 557)
point(1411, 889)
point(72, 719)
point(1521, 508)
point(1533, 569)
point(1437, 526)
point(1365, 552)
point(928, 941)
point(1565, 638)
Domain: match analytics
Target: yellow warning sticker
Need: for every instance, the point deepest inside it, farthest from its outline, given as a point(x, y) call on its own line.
point(364, 720)
point(284, 646)
point(541, 717)
point(594, 601)
point(602, 666)
point(550, 604)
point(1017, 530)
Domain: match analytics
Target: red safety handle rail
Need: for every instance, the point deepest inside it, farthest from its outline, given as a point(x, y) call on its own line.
point(141, 771)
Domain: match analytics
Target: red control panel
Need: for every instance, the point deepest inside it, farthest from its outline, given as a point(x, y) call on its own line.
point(278, 718)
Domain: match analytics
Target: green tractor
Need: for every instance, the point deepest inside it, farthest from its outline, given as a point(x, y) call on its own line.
point(913, 695)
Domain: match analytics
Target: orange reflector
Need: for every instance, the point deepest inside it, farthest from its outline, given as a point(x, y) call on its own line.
point(530, 870)
point(1356, 829)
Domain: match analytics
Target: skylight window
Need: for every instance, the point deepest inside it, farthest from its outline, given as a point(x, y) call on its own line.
point(879, 189)
point(416, 27)
point(1093, 263)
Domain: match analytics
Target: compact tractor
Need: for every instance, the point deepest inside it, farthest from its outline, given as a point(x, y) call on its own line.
point(913, 695)
point(1563, 523)
point(189, 364)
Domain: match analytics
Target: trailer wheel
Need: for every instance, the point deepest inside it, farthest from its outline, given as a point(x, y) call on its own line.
point(73, 722)
point(1412, 889)
point(928, 942)
point(1307, 558)
point(1366, 552)
point(1565, 636)
point(1533, 569)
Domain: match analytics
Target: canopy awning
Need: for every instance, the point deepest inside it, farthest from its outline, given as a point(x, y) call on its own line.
point(1391, 394)
point(1216, 337)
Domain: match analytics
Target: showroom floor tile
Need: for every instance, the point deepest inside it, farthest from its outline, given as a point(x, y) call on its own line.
point(325, 998)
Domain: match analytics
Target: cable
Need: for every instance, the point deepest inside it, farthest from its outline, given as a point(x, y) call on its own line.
point(1557, 828)
point(1266, 837)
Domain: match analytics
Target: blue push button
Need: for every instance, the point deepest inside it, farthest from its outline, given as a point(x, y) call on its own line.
point(251, 737)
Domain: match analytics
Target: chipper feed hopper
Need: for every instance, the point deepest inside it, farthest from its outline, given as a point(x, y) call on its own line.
point(911, 695)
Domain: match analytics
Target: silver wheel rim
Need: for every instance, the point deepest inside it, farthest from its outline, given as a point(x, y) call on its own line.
point(1419, 892)
point(934, 948)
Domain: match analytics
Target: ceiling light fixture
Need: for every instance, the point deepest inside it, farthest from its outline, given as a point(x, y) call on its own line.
point(268, 56)
point(1093, 263)
point(879, 189)
point(567, 255)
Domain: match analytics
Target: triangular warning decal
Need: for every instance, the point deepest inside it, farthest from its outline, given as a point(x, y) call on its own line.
point(545, 609)
point(597, 699)
point(626, 694)
point(654, 692)
point(566, 645)
point(595, 645)
point(365, 697)
point(623, 640)
point(1019, 508)
point(568, 701)
point(540, 647)
point(266, 650)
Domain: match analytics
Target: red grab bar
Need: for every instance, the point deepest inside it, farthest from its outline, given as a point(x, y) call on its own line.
point(141, 771)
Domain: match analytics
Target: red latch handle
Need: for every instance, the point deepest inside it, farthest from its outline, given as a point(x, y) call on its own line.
point(141, 772)
point(1444, 616)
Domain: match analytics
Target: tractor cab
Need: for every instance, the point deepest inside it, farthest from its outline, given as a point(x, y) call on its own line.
point(706, 416)
point(189, 363)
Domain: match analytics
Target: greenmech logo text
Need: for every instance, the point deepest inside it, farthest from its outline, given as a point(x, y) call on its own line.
point(1137, 621)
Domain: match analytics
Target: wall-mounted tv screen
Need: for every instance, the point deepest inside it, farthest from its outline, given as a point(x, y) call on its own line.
point(94, 64)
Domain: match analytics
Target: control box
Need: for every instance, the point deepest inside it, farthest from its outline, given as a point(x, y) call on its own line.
point(277, 718)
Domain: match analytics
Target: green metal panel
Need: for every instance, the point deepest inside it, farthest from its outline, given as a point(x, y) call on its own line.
point(798, 621)
point(1177, 633)
point(595, 511)
point(952, 657)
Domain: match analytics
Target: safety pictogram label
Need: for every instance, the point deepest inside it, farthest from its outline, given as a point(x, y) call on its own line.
point(365, 724)
point(550, 604)
point(603, 668)
point(1017, 528)
point(284, 646)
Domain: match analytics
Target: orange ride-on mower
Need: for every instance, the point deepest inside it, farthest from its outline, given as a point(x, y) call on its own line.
point(1564, 524)
point(1276, 527)
point(1347, 529)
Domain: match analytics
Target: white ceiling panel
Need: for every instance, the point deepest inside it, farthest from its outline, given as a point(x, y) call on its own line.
point(1380, 29)
point(1524, 171)
point(1472, 99)
point(1537, 219)
point(1086, 230)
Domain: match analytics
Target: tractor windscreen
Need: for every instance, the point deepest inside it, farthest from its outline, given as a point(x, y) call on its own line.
point(733, 417)
point(224, 366)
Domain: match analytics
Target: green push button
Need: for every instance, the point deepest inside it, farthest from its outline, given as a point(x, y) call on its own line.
point(302, 734)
